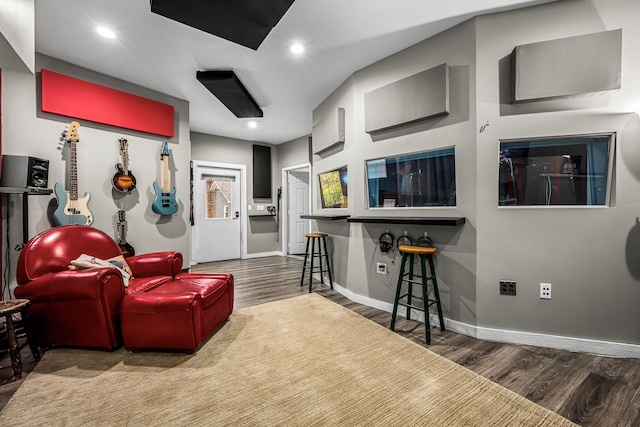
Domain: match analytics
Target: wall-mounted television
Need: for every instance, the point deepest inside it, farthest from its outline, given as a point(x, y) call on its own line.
point(333, 188)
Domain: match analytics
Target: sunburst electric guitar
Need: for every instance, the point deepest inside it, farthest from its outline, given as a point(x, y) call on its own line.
point(123, 180)
point(71, 209)
point(165, 200)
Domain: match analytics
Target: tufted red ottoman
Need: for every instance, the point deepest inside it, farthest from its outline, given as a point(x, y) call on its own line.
point(175, 313)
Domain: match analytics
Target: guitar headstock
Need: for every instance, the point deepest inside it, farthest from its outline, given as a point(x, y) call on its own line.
point(165, 150)
point(123, 145)
point(71, 134)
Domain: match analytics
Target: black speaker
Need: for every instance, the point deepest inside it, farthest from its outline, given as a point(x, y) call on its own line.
point(261, 172)
point(24, 171)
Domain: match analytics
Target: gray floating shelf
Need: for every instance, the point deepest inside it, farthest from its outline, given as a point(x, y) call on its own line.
point(449, 221)
point(325, 217)
point(36, 191)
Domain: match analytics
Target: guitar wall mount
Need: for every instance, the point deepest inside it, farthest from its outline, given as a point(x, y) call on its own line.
point(425, 241)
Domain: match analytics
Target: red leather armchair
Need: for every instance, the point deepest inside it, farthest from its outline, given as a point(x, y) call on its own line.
point(81, 307)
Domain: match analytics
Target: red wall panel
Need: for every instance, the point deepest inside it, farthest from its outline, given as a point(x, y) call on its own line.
point(71, 97)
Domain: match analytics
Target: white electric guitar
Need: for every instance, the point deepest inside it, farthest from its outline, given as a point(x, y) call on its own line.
point(71, 209)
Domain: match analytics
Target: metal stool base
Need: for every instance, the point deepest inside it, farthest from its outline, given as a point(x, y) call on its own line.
point(310, 257)
point(405, 300)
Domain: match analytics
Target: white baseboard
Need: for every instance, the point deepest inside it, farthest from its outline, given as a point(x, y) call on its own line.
point(263, 254)
point(583, 345)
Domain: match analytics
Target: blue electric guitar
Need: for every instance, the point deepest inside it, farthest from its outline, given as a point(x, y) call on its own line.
point(71, 209)
point(165, 200)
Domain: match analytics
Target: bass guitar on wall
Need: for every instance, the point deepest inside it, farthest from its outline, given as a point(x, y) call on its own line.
point(123, 180)
point(71, 209)
point(165, 200)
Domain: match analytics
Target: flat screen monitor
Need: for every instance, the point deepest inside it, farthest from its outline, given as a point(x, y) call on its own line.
point(333, 188)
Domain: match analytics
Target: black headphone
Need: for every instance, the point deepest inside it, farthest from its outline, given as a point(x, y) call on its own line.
point(385, 241)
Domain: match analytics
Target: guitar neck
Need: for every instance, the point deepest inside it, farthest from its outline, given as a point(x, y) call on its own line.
point(122, 227)
point(73, 172)
point(165, 174)
point(124, 156)
point(122, 231)
point(125, 164)
point(126, 248)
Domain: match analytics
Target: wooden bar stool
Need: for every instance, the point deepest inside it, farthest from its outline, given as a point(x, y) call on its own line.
point(309, 258)
point(425, 253)
point(7, 309)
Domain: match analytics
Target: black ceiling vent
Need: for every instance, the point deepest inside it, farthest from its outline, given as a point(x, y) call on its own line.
point(228, 88)
point(245, 22)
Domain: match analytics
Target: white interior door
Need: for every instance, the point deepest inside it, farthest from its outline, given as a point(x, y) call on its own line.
point(217, 213)
point(298, 204)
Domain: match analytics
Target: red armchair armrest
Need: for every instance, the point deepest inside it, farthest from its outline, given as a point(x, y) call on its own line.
point(89, 284)
point(156, 264)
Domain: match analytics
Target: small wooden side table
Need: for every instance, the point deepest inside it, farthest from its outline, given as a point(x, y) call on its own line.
point(7, 309)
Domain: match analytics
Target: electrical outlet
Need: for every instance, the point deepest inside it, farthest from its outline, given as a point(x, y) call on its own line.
point(545, 290)
point(381, 268)
point(507, 287)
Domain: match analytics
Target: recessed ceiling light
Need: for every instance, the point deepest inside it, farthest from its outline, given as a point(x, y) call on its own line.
point(252, 124)
point(105, 32)
point(296, 48)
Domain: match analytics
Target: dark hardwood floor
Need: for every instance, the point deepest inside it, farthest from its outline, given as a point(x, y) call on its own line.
point(587, 389)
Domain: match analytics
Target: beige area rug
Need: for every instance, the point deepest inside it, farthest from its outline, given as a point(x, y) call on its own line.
point(303, 361)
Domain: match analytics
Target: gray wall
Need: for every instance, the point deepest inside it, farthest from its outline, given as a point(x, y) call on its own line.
point(293, 153)
point(262, 233)
point(355, 245)
point(590, 255)
point(17, 35)
point(27, 131)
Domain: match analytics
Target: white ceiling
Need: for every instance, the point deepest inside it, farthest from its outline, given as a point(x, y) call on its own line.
point(341, 37)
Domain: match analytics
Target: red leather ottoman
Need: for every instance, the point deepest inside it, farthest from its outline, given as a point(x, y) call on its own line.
point(166, 313)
